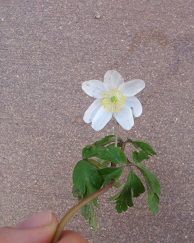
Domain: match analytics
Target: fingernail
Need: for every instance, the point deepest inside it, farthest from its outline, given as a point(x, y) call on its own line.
point(38, 220)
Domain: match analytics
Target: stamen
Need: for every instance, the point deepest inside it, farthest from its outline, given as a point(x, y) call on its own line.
point(114, 100)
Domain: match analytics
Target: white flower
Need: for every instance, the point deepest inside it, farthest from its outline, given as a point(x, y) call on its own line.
point(113, 98)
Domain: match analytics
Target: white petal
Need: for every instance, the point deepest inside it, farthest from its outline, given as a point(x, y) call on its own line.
point(135, 104)
point(113, 79)
point(94, 88)
point(92, 110)
point(101, 118)
point(125, 118)
point(133, 87)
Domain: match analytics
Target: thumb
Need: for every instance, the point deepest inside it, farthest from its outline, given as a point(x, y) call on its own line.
point(39, 228)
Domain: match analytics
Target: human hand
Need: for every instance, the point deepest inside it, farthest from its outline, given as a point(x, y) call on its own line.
point(39, 228)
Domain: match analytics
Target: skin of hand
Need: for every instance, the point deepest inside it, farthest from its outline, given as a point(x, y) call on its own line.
point(39, 228)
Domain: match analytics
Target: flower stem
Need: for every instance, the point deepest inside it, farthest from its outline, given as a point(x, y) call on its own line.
point(77, 207)
point(116, 132)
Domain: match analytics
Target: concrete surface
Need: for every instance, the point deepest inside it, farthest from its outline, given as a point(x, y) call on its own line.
point(48, 48)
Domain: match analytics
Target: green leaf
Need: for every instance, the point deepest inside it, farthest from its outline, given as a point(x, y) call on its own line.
point(95, 163)
point(136, 185)
point(106, 140)
point(89, 214)
point(153, 188)
point(117, 184)
point(143, 146)
point(99, 163)
point(151, 180)
point(140, 156)
point(104, 163)
point(89, 151)
point(86, 178)
point(112, 154)
point(115, 197)
point(110, 173)
point(153, 202)
point(132, 188)
point(113, 145)
point(76, 193)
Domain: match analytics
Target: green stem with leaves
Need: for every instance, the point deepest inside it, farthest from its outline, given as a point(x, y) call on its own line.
point(77, 207)
point(88, 199)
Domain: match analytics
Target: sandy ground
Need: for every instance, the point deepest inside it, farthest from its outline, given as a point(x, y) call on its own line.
point(48, 48)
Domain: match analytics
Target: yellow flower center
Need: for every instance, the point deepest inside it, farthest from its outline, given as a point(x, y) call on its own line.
point(114, 100)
